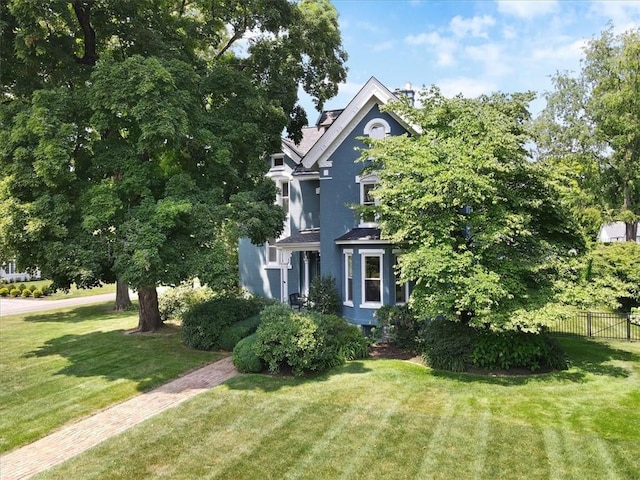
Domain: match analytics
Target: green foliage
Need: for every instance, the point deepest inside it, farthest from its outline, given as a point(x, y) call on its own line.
point(514, 349)
point(26, 293)
point(324, 296)
point(482, 227)
point(146, 166)
point(608, 276)
point(37, 293)
point(21, 287)
point(15, 292)
point(401, 326)
point(4, 292)
point(448, 345)
point(204, 323)
point(308, 341)
point(174, 302)
point(245, 358)
point(590, 125)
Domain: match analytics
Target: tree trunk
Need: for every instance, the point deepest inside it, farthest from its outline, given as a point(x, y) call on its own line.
point(123, 302)
point(148, 313)
point(631, 228)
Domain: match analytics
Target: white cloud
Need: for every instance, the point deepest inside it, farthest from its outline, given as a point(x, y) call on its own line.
point(527, 8)
point(624, 15)
point(469, 87)
point(384, 46)
point(492, 56)
point(443, 48)
point(476, 26)
point(570, 51)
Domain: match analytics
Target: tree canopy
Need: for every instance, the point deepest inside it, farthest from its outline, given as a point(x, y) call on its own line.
point(592, 125)
point(480, 226)
point(132, 133)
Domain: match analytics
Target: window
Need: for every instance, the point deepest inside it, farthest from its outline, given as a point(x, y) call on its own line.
point(377, 128)
point(273, 257)
point(366, 199)
point(402, 289)
point(284, 196)
point(348, 274)
point(277, 162)
point(372, 278)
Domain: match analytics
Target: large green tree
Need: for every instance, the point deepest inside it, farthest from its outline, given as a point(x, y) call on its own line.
point(132, 133)
point(592, 124)
point(481, 226)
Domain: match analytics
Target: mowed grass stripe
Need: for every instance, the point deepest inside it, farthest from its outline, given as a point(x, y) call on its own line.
point(459, 441)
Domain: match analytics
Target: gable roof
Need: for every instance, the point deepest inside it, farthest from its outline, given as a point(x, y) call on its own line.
point(371, 93)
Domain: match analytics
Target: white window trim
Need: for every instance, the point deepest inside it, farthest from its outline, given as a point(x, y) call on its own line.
point(397, 254)
point(279, 156)
point(371, 253)
point(368, 180)
point(268, 264)
point(348, 253)
point(371, 124)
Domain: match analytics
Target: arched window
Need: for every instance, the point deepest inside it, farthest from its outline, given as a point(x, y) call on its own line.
point(377, 128)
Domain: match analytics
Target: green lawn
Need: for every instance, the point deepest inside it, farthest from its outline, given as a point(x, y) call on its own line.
point(388, 419)
point(60, 365)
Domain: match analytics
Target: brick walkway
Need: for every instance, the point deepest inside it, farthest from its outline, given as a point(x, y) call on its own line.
point(74, 439)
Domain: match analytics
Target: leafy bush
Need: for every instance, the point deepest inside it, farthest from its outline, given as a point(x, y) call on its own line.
point(174, 302)
point(324, 296)
point(308, 341)
point(515, 349)
point(203, 323)
point(37, 293)
point(26, 293)
point(15, 292)
point(245, 357)
point(4, 292)
point(448, 345)
point(287, 338)
point(236, 332)
point(46, 290)
point(32, 287)
point(401, 326)
point(21, 287)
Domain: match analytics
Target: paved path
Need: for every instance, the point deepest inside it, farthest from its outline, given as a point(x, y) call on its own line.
point(75, 438)
point(13, 306)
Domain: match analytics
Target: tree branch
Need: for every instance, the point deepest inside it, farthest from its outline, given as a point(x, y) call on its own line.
point(82, 10)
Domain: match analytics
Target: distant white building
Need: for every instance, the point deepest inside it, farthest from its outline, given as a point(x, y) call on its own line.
point(9, 272)
point(615, 232)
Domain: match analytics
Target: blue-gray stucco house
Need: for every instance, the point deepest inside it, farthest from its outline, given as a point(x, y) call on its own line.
point(319, 181)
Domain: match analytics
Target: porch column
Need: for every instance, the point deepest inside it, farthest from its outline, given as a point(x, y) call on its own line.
point(285, 256)
point(306, 274)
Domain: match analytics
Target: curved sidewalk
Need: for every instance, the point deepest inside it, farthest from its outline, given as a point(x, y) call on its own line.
point(75, 438)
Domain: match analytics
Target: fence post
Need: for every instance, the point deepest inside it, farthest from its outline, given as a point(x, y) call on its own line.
point(628, 327)
point(588, 324)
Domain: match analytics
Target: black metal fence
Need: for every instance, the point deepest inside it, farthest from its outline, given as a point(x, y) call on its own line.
point(618, 326)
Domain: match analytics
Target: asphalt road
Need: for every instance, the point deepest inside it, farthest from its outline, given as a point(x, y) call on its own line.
point(13, 306)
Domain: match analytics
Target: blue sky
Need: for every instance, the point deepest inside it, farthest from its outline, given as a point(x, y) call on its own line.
point(470, 47)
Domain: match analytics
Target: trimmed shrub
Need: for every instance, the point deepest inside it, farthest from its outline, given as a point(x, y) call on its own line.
point(37, 293)
point(516, 349)
point(21, 287)
point(245, 358)
point(15, 292)
point(4, 292)
point(324, 296)
point(307, 341)
point(448, 345)
point(203, 323)
point(236, 332)
point(32, 287)
point(174, 302)
point(26, 293)
point(46, 290)
point(401, 326)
